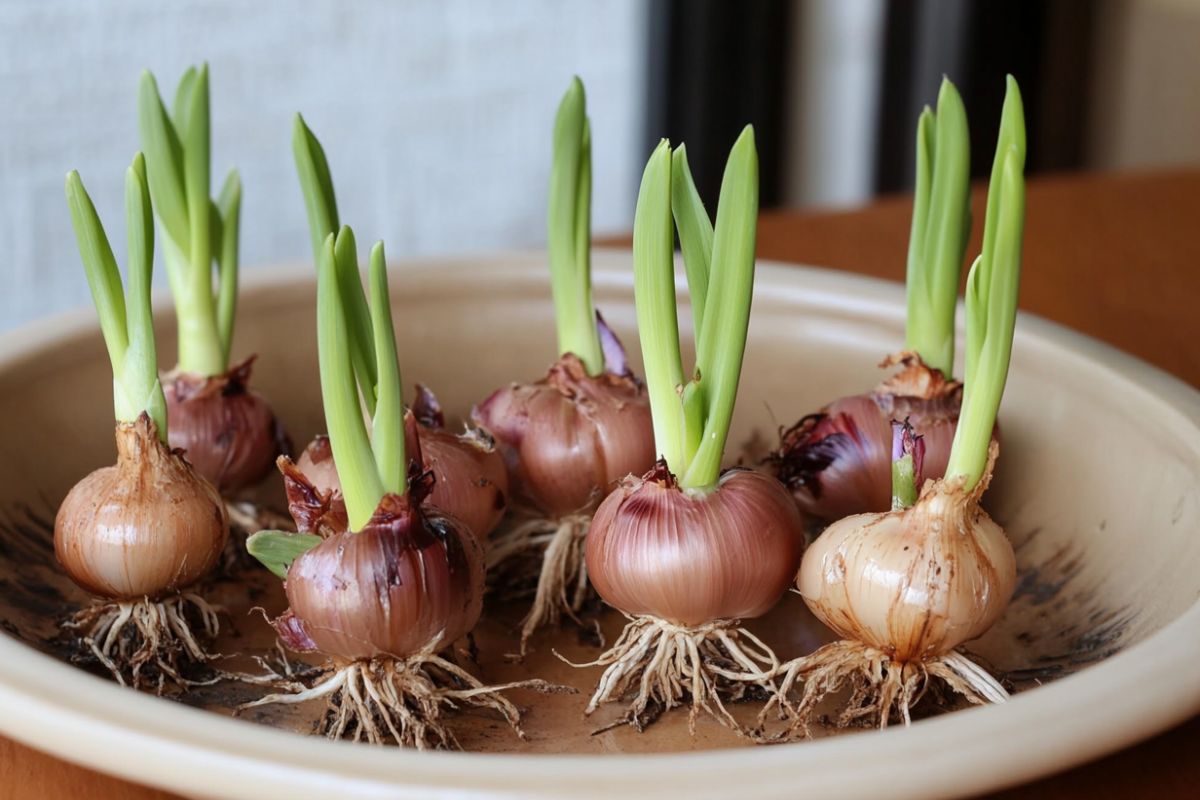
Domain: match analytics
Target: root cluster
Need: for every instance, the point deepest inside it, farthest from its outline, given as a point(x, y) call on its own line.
point(657, 666)
point(149, 644)
point(404, 701)
point(881, 690)
point(553, 551)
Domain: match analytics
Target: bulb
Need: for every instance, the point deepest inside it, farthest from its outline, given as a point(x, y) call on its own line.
point(568, 438)
point(690, 557)
point(838, 462)
point(405, 582)
point(228, 431)
point(147, 526)
point(470, 483)
point(913, 583)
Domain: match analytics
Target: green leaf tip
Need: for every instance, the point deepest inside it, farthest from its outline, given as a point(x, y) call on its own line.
point(692, 417)
point(654, 293)
point(568, 230)
point(695, 234)
point(370, 463)
point(993, 285)
point(387, 432)
point(276, 550)
point(722, 344)
point(344, 423)
point(316, 184)
point(940, 229)
point(177, 147)
point(125, 314)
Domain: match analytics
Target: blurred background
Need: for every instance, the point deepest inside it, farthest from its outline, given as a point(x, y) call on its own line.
point(436, 114)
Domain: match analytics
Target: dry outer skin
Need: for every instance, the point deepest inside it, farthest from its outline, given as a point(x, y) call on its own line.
point(837, 462)
point(470, 481)
point(406, 581)
point(145, 527)
point(228, 431)
point(914, 583)
point(690, 558)
point(569, 437)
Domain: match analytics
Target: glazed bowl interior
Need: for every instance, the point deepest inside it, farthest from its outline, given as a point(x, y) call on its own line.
point(1097, 487)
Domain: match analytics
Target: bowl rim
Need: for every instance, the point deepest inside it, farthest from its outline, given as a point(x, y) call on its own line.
point(1079, 717)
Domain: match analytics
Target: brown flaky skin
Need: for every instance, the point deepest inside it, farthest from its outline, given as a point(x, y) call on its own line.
point(568, 438)
point(407, 581)
point(147, 526)
point(915, 583)
point(693, 558)
point(228, 431)
point(837, 462)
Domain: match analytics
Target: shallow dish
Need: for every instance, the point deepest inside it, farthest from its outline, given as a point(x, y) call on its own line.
point(1098, 486)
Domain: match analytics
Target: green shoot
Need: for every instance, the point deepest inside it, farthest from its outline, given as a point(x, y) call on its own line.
point(908, 456)
point(569, 231)
point(316, 183)
point(226, 217)
point(276, 550)
point(388, 425)
point(197, 230)
point(904, 482)
point(722, 341)
point(941, 224)
point(373, 464)
point(991, 296)
point(654, 293)
point(348, 436)
point(695, 233)
point(692, 418)
point(125, 320)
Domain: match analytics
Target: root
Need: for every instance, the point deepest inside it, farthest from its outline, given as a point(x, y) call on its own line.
point(880, 689)
point(148, 644)
point(662, 666)
point(562, 586)
point(386, 699)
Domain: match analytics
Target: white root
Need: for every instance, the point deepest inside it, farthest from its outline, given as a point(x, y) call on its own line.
point(562, 581)
point(387, 699)
point(146, 644)
point(660, 666)
point(880, 689)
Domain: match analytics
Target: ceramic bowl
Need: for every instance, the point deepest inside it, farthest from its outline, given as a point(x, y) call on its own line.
point(1097, 487)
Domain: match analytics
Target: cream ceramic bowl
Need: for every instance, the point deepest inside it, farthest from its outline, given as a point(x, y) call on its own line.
point(1098, 486)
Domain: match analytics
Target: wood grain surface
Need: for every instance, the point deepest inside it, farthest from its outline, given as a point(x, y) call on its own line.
point(1114, 256)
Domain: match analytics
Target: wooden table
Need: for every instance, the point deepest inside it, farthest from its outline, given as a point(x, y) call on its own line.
point(1117, 257)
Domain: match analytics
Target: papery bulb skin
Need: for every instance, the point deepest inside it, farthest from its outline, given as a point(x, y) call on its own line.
point(568, 438)
point(143, 528)
point(838, 462)
point(405, 581)
point(690, 558)
point(227, 430)
point(914, 583)
point(313, 491)
point(317, 465)
point(472, 484)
